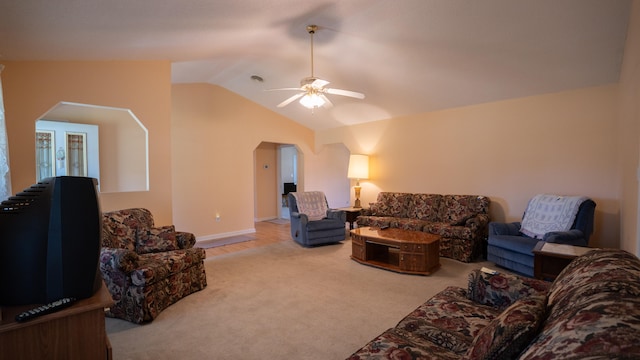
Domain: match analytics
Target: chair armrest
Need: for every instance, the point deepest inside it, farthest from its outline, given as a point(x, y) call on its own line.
point(120, 260)
point(571, 237)
point(304, 219)
point(496, 228)
point(337, 214)
point(186, 240)
point(501, 290)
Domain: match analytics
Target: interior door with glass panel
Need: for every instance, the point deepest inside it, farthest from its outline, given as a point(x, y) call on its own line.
point(45, 154)
point(76, 153)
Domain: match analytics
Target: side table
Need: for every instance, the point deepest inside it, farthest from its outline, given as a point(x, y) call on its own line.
point(352, 215)
point(549, 259)
point(77, 332)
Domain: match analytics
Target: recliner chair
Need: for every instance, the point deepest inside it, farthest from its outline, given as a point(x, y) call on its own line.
point(510, 248)
point(312, 222)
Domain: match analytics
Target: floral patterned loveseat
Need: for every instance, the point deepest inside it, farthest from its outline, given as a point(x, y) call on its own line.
point(592, 310)
point(460, 220)
point(147, 268)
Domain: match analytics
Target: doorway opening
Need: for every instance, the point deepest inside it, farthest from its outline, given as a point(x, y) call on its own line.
point(276, 174)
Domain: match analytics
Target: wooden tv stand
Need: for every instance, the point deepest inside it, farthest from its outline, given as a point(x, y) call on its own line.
point(76, 332)
point(404, 251)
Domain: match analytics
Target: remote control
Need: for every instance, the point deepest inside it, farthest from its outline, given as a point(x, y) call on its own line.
point(45, 309)
point(488, 271)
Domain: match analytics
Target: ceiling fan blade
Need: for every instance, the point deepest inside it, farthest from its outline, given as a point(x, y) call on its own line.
point(348, 93)
point(327, 103)
point(278, 89)
point(318, 83)
point(290, 100)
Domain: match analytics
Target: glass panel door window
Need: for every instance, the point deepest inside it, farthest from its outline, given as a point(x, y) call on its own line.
point(45, 154)
point(76, 154)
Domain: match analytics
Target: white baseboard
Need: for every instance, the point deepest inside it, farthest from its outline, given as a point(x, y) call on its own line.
point(227, 238)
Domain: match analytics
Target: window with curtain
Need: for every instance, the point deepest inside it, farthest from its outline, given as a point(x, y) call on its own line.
point(76, 154)
point(45, 161)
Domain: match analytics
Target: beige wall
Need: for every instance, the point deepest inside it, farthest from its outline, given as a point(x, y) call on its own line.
point(266, 182)
point(203, 140)
point(215, 134)
point(561, 143)
point(32, 88)
point(629, 135)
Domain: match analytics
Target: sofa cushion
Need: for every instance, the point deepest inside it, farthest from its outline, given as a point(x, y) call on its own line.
point(449, 319)
point(501, 290)
point(599, 326)
point(153, 267)
point(391, 204)
point(392, 344)
point(509, 333)
point(118, 235)
point(424, 206)
point(408, 224)
point(449, 231)
point(590, 272)
point(457, 209)
point(156, 239)
point(594, 309)
point(374, 221)
point(119, 228)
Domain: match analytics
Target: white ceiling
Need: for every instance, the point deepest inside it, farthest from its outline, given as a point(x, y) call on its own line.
point(406, 56)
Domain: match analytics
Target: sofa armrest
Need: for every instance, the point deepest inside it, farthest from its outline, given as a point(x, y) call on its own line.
point(496, 228)
point(571, 237)
point(186, 240)
point(479, 221)
point(337, 214)
point(366, 212)
point(501, 290)
point(118, 260)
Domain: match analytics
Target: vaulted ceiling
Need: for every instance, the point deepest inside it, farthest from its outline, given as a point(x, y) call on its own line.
point(406, 56)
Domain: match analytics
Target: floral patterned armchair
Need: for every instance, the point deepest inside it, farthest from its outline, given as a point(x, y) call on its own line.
point(147, 268)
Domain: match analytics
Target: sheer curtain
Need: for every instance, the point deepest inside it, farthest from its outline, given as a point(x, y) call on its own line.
point(5, 175)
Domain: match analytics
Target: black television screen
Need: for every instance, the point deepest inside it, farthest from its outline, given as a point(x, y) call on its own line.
point(50, 242)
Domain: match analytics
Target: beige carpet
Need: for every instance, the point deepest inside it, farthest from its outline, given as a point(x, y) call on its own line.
point(283, 301)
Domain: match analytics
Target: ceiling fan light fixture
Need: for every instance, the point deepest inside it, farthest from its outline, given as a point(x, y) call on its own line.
point(312, 101)
point(313, 89)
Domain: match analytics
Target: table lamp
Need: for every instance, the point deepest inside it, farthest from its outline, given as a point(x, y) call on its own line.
point(358, 169)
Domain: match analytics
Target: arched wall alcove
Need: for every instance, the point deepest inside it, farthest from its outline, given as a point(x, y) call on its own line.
point(123, 143)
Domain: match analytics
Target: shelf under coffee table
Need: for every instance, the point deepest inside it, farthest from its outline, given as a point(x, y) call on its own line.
point(405, 251)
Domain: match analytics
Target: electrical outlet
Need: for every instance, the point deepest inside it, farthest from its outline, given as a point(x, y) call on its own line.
point(218, 217)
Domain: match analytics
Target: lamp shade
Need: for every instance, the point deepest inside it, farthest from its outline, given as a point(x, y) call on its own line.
point(358, 167)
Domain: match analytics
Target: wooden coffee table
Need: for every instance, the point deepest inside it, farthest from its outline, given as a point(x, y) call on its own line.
point(410, 252)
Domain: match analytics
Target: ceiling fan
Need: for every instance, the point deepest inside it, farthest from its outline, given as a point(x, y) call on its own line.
point(313, 90)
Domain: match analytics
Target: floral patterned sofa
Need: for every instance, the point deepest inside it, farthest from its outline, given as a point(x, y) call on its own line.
point(460, 220)
point(592, 310)
point(147, 268)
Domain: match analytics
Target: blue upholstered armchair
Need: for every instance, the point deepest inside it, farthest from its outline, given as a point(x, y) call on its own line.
point(510, 245)
point(312, 222)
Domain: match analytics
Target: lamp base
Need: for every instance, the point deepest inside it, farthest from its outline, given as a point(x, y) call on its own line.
point(357, 204)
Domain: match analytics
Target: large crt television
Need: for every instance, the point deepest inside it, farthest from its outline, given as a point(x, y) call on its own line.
point(50, 242)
